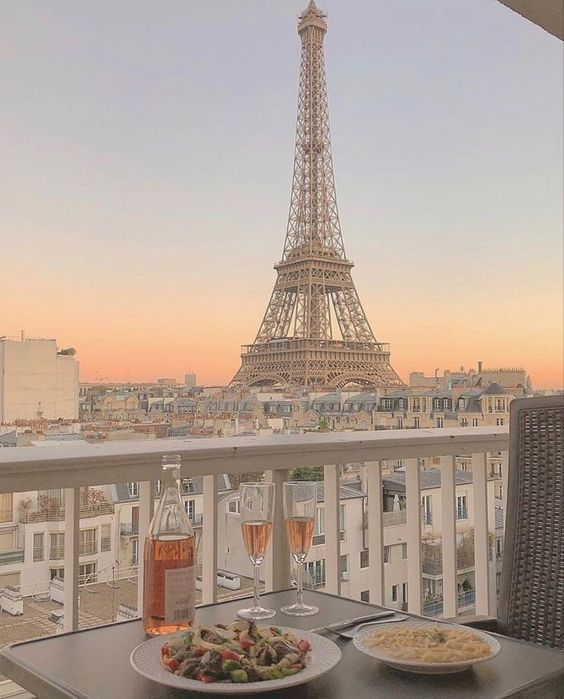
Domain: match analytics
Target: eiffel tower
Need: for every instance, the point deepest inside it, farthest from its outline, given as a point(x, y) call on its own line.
point(314, 333)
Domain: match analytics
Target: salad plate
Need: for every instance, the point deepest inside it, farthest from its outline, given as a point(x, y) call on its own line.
point(321, 657)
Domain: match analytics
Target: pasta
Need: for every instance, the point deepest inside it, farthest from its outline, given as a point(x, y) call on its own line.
point(429, 644)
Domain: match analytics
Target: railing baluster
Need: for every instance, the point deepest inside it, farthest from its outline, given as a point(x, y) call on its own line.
point(448, 527)
point(146, 506)
point(375, 531)
point(413, 499)
point(481, 544)
point(277, 560)
point(332, 530)
point(504, 482)
point(209, 541)
point(72, 542)
point(490, 504)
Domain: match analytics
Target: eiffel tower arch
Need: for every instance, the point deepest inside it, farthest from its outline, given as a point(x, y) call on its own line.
point(314, 332)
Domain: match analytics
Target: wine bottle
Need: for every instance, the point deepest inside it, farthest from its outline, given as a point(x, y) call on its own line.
point(169, 584)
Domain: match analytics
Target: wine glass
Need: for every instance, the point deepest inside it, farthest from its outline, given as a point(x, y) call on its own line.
point(300, 504)
point(257, 512)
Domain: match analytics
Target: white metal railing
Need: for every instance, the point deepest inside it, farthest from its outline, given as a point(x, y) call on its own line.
point(75, 465)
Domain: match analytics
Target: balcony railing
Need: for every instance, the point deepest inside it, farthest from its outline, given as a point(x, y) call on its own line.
point(129, 528)
point(58, 514)
point(7, 557)
point(33, 468)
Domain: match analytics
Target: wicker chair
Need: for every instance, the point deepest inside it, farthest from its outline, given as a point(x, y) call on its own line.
point(531, 598)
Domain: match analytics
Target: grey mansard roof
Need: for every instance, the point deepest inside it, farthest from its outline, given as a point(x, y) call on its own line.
point(428, 479)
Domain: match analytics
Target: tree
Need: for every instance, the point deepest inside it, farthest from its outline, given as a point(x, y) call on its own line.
point(246, 477)
point(67, 351)
point(307, 473)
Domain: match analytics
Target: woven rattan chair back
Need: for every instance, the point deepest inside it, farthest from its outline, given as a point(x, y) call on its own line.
point(531, 601)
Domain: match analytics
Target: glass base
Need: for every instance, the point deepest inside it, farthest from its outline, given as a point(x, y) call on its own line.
point(256, 613)
point(300, 609)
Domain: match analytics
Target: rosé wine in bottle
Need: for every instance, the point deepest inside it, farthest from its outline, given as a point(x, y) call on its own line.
point(169, 557)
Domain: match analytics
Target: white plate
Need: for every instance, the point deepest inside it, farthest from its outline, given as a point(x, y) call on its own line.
point(323, 656)
point(361, 638)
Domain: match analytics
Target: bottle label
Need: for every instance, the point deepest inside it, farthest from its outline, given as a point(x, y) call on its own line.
point(180, 586)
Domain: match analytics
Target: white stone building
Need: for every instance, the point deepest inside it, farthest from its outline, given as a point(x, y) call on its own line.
point(36, 382)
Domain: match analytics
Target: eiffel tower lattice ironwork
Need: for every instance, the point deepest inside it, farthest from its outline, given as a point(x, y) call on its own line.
point(314, 332)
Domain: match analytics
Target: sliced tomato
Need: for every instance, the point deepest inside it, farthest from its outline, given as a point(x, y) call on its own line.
point(173, 664)
point(202, 677)
point(230, 655)
point(199, 651)
point(246, 643)
point(304, 646)
point(164, 650)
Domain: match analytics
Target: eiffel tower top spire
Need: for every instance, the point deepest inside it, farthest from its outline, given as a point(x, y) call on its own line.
point(314, 313)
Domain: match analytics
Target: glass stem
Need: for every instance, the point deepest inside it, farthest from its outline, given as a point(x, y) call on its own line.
point(256, 594)
point(300, 585)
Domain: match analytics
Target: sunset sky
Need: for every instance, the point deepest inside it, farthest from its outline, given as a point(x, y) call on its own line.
point(146, 160)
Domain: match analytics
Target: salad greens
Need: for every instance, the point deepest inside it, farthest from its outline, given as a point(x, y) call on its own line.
point(239, 652)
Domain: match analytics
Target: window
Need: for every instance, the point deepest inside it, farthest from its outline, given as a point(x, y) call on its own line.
point(440, 422)
point(105, 537)
point(400, 423)
point(6, 507)
point(57, 548)
point(365, 596)
point(316, 572)
point(395, 593)
point(342, 521)
point(57, 573)
point(87, 573)
point(364, 561)
point(233, 506)
point(404, 592)
point(186, 485)
point(462, 507)
point(190, 507)
point(320, 521)
point(38, 547)
point(344, 566)
point(416, 422)
point(404, 551)
point(426, 509)
point(133, 489)
point(158, 487)
point(499, 421)
point(88, 542)
point(319, 532)
point(499, 546)
point(474, 422)
point(52, 498)
point(387, 554)
point(464, 422)
point(134, 552)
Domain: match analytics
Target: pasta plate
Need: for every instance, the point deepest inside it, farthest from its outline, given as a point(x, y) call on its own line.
point(390, 646)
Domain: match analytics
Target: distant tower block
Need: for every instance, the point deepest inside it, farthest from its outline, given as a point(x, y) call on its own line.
point(314, 332)
point(190, 380)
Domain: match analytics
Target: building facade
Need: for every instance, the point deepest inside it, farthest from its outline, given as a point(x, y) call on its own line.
point(36, 381)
